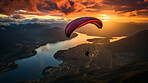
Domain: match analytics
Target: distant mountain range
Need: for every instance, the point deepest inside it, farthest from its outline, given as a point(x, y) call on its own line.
point(114, 29)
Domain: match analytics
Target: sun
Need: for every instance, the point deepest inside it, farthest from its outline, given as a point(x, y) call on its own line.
point(104, 17)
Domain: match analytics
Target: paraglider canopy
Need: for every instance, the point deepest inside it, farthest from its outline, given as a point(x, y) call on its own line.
point(77, 23)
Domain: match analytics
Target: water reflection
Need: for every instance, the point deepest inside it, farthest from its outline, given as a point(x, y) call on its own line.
point(117, 38)
point(46, 48)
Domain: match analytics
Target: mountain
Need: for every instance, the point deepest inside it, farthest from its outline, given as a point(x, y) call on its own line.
point(135, 43)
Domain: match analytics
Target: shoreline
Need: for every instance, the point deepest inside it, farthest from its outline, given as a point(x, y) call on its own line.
point(27, 50)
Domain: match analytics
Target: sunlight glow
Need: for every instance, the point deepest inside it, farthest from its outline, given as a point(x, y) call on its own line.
point(2, 15)
point(105, 17)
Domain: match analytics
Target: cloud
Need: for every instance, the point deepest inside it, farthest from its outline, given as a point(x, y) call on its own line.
point(9, 6)
point(39, 20)
point(127, 5)
point(18, 17)
point(6, 19)
point(87, 3)
point(37, 6)
point(47, 6)
point(78, 7)
point(17, 20)
point(68, 7)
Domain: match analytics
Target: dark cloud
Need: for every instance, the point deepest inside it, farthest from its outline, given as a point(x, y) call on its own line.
point(87, 3)
point(39, 20)
point(99, 7)
point(18, 17)
point(47, 6)
point(95, 6)
point(145, 12)
point(6, 19)
point(66, 9)
point(127, 5)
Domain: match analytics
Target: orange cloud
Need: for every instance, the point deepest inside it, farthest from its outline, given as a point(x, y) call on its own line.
point(75, 8)
point(9, 6)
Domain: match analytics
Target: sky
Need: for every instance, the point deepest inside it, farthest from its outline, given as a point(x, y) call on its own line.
point(65, 10)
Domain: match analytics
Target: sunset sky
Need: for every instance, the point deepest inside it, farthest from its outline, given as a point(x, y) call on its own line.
point(64, 10)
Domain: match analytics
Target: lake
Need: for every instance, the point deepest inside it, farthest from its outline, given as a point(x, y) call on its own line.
point(32, 67)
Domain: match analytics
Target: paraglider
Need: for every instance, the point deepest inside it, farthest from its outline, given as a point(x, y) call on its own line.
point(87, 53)
point(77, 23)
